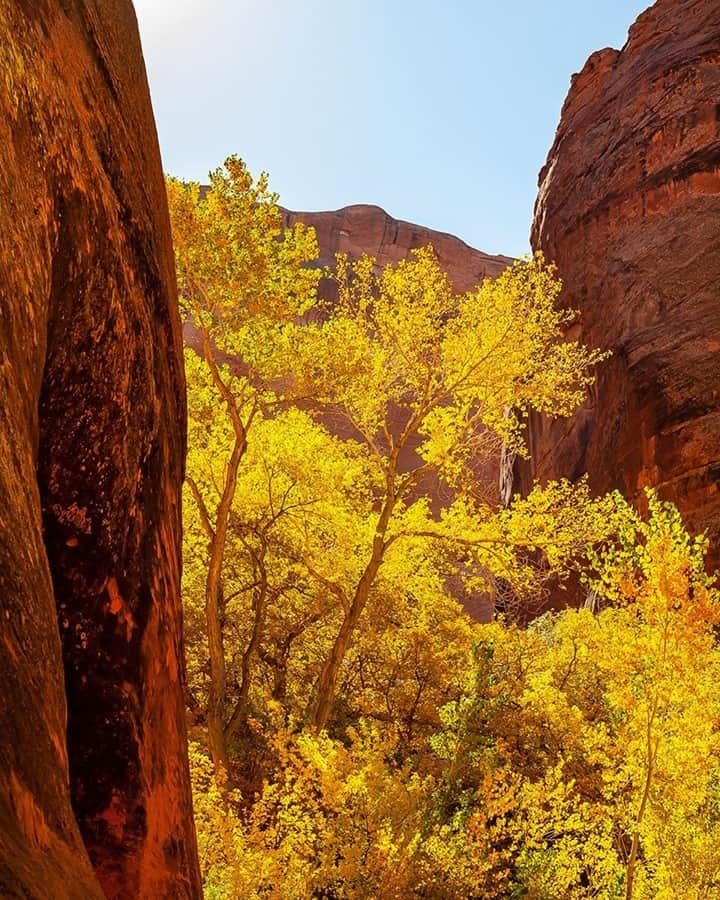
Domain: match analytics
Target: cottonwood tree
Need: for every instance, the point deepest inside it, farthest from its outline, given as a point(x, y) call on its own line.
point(570, 737)
point(300, 499)
point(297, 532)
point(664, 697)
point(425, 378)
point(583, 759)
point(244, 282)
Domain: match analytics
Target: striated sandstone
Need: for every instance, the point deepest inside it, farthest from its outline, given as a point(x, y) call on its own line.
point(91, 462)
point(629, 208)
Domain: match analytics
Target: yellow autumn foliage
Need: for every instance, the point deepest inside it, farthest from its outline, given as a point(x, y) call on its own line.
point(356, 733)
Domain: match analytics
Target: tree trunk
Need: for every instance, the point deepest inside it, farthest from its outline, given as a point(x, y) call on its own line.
point(218, 752)
point(279, 691)
point(329, 674)
point(635, 846)
point(216, 693)
point(213, 622)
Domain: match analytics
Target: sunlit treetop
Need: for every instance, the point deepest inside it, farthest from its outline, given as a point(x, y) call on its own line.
point(406, 359)
point(243, 277)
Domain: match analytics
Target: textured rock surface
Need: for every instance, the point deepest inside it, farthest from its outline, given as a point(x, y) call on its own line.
point(629, 208)
point(368, 229)
point(91, 456)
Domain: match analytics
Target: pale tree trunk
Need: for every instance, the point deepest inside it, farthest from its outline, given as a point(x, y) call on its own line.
point(635, 846)
point(213, 622)
point(652, 752)
point(214, 607)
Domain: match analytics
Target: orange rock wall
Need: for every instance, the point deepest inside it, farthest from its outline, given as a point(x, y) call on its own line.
point(629, 208)
point(368, 229)
point(92, 422)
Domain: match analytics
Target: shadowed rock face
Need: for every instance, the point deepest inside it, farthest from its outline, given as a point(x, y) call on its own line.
point(91, 460)
point(629, 208)
point(368, 229)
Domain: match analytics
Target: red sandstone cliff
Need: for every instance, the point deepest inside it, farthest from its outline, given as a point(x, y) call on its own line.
point(91, 462)
point(629, 208)
point(368, 229)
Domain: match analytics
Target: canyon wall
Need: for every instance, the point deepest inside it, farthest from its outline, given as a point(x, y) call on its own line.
point(92, 422)
point(629, 208)
point(368, 229)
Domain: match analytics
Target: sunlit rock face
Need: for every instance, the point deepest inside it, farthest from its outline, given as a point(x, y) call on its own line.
point(92, 423)
point(629, 208)
point(368, 229)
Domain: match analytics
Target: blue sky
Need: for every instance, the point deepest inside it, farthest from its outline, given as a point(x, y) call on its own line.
point(442, 113)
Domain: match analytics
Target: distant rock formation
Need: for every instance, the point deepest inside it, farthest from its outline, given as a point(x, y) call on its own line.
point(92, 415)
point(368, 229)
point(629, 208)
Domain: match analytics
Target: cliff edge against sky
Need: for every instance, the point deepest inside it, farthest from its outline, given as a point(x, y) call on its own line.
point(629, 206)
